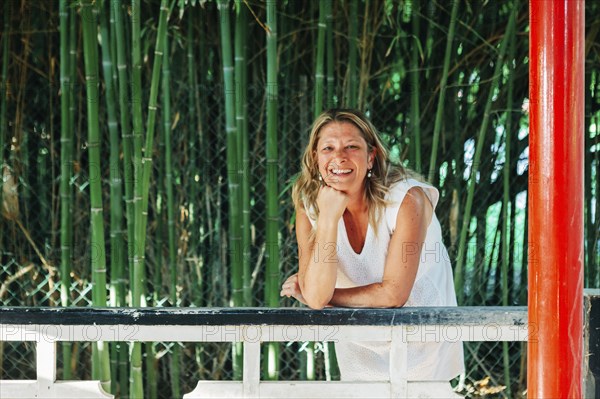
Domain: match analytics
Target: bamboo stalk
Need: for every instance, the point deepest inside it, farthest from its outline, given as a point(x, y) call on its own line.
point(232, 153)
point(457, 158)
point(351, 87)
point(415, 112)
point(73, 102)
point(172, 263)
point(206, 223)
point(116, 191)
point(151, 375)
point(127, 143)
point(98, 261)
point(142, 216)
point(478, 261)
point(506, 200)
point(370, 27)
point(196, 146)
point(113, 43)
point(272, 195)
point(168, 176)
point(441, 99)
point(431, 9)
point(324, 6)
point(136, 275)
point(330, 65)
point(4, 90)
point(66, 153)
point(126, 134)
point(512, 295)
point(142, 185)
point(243, 175)
point(233, 167)
point(142, 181)
point(138, 281)
point(142, 166)
point(494, 269)
point(458, 277)
point(117, 239)
point(193, 186)
point(156, 294)
point(241, 109)
point(288, 87)
point(66, 170)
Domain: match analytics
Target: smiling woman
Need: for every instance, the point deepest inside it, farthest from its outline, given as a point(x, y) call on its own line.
point(345, 139)
point(368, 237)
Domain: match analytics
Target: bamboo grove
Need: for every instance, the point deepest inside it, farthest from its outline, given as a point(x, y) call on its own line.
point(148, 149)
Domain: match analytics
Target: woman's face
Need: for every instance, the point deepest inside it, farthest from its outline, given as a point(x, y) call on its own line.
point(343, 157)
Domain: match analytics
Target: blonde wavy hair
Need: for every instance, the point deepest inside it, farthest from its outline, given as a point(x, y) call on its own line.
point(383, 175)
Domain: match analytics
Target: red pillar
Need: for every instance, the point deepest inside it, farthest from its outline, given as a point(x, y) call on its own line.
point(556, 144)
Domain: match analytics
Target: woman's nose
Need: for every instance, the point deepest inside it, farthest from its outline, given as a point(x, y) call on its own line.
point(339, 154)
point(338, 160)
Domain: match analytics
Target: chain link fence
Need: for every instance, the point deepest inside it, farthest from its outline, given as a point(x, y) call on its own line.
point(30, 259)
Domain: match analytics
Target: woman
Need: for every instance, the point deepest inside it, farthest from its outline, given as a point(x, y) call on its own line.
point(368, 237)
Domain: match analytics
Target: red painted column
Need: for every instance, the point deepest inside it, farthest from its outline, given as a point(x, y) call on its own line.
point(556, 145)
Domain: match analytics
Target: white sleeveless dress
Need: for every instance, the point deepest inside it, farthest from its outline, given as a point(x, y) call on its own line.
point(369, 361)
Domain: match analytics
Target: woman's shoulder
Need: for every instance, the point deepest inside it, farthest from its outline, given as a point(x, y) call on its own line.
point(398, 190)
point(403, 185)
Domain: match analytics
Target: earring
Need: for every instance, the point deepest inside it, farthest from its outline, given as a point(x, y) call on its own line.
point(320, 177)
point(369, 174)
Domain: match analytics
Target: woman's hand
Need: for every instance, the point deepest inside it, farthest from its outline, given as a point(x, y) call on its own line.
point(332, 204)
point(291, 288)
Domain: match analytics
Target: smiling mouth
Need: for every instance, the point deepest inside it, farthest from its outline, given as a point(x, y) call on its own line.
point(339, 172)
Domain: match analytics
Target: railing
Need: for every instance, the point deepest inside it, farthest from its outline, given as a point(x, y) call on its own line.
point(253, 326)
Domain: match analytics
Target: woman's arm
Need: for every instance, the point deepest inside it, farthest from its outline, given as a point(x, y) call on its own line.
point(402, 260)
point(318, 261)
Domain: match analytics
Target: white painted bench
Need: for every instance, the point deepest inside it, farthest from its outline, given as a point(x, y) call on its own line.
point(253, 326)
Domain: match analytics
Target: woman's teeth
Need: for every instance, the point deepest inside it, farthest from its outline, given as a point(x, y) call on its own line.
point(341, 171)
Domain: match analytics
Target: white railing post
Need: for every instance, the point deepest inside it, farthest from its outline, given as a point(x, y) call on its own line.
point(251, 372)
point(398, 363)
point(45, 364)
